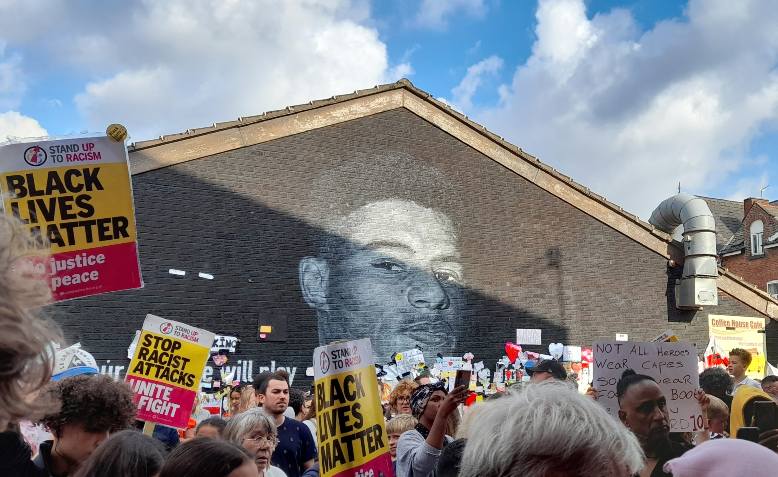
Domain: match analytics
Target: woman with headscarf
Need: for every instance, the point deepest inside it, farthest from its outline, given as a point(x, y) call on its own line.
point(418, 450)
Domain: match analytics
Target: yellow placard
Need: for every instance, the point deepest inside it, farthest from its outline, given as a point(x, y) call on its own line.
point(350, 423)
point(168, 360)
point(75, 207)
point(741, 332)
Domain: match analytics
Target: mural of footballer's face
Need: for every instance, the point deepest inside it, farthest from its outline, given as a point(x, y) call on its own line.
point(397, 280)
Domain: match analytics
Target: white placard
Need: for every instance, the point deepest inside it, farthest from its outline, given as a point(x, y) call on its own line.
point(672, 365)
point(526, 336)
point(409, 360)
point(622, 337)
point(572, 354)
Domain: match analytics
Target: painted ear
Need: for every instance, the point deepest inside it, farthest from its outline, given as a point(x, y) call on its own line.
point(314, 281)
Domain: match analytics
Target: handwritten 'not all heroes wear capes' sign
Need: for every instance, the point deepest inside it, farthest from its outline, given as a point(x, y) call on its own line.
point(672, 365)
point(166, 369)
point(350, 423)
point(76, 193)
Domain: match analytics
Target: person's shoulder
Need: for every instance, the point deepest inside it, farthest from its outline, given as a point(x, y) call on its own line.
point(273, 471)
point(413, 435)
point(677, 449)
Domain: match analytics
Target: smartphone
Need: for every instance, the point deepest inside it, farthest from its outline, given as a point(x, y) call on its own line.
point(748, 434)
point(766, 415)
point(462, 378)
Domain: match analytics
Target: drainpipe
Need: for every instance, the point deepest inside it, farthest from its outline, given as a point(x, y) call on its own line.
point(697, 286)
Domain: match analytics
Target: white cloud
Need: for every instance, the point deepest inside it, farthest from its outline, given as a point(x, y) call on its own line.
point(464, 91)
point(630, 113)
point(15, 125)
point(434, 14)
point(163, 67)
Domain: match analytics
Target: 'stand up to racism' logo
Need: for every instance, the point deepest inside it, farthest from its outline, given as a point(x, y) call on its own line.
point(35, 156)
point(166, 328)
point(324, 362)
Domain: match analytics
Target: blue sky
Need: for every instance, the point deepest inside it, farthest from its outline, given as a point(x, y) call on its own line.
point(627, 97)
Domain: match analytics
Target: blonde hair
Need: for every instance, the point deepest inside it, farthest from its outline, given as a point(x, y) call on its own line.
point(248, 399)
point(26, 337)
point(717, 408)
point(400, 424)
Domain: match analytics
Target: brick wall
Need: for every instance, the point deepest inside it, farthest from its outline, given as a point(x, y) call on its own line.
point(248, 217)
point(758, 269)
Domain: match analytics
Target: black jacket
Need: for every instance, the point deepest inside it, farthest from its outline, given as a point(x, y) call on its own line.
point(15, 457)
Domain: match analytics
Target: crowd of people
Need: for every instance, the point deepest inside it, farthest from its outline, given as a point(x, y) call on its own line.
point(540, 428)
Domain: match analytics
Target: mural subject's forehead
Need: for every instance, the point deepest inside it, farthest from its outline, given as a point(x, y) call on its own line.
point(402, 225)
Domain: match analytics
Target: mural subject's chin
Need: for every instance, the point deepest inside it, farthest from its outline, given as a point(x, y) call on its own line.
point(432, 340)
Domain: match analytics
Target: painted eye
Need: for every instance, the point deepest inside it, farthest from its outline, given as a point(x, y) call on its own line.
point(388, 265)
point(447, 276)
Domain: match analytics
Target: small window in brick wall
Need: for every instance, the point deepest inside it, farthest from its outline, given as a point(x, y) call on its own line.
point(757, 229)
point(772, 288)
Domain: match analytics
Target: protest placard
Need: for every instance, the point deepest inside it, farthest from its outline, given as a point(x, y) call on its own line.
point(672, 365)
point(350, 423)
point(409, 360)
point(526, 336)
point(741, 332)
point(77, 194)
point(166, 370)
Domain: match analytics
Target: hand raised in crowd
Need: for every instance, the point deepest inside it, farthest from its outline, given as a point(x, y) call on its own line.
point(453, 399)
point(591, 392)
point(703, 400)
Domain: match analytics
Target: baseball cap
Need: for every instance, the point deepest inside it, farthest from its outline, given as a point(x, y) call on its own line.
point(551, 366)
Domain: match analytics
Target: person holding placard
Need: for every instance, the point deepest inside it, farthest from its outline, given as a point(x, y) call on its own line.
point(643, 410)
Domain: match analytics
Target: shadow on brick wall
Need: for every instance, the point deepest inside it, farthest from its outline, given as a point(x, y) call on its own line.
point(253, 253)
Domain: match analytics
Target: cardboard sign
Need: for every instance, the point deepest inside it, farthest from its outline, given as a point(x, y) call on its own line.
point(672, 365)
point(528, 337)
point(351, 435)
point(78, 195)
point(409, 360)
point(572, 354)
point(741, 332)
point(166, 370)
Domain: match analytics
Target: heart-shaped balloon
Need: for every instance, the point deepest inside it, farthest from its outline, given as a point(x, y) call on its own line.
point(556, 350)
point(512, 350)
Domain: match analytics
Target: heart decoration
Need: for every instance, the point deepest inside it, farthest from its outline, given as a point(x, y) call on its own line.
point(556, 350)
point(512, 350)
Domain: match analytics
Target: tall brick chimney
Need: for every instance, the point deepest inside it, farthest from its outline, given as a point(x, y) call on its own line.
point(748, 203)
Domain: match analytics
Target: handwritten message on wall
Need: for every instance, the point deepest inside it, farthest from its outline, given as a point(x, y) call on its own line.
point(672, 365)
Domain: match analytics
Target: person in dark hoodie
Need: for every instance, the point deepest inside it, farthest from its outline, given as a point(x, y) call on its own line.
point(91, 407)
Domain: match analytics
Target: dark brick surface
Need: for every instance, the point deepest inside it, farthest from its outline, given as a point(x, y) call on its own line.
point(531, 260)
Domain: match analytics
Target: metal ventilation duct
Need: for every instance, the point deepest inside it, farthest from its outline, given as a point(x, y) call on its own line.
point(697, 286)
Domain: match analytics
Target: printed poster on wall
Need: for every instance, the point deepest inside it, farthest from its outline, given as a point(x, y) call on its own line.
point(672, 365)
point(166, 370)
point(77, 194)
point(350, 423)
point(741, 332)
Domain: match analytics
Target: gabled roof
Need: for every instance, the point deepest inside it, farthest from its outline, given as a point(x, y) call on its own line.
point(221, 137)
point(729, 219)
point(737, 243)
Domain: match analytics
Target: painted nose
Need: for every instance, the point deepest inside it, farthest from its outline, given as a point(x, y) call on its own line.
point(426, 292)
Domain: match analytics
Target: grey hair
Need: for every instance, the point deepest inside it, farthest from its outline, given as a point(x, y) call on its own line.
point(548, 429)
point(242, 424)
